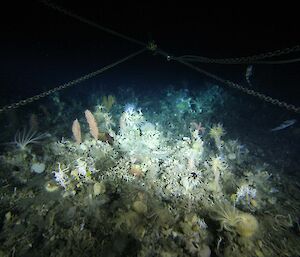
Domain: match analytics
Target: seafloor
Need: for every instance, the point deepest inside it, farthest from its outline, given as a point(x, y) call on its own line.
point(175, 172)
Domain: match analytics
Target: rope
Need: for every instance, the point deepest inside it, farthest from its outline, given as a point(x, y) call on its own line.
point(68, 84)
point(150, 45)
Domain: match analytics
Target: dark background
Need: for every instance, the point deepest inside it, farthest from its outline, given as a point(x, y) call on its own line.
point(42, 48)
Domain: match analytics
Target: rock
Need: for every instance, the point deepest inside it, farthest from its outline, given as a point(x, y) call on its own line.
point(38, 167)
point(139, 207)
point(99, 188)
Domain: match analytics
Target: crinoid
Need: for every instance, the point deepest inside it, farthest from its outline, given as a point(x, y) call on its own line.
point(25, 137)
point(226, 215)
point(233, 220)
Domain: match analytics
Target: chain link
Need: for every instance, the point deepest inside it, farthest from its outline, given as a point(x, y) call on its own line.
point(66, 85)
point(246, 90)
point(183, 59)
point(89, 22)
point(241, 60)
point(264, 97)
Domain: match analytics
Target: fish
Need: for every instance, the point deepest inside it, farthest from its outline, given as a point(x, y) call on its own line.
point(284, 125)
point(248, 74)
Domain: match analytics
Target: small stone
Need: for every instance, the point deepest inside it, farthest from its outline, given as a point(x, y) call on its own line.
point(204, 251)
point(259, 253)
point(231, 156)
point(8, 216)
point(51, 187)
point(139, 207)
point(99, 188)
point(38, 167)
point(253, 203)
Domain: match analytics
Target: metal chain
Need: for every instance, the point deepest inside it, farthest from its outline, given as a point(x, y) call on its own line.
point(89, 22)
point(264, 97)
point(183, 59)
point(248, 91)
point(68, 84)
point(241, 60)
point(190, 58)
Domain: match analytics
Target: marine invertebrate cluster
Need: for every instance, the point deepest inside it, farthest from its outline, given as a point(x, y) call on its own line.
point(61, 176)
point(245, 195)
point(137, 137)
point(188, 185)
point(108, 101)
point(218, 166)
point(233, 220)
point(235, 151)
point(92, 124)
point(76, 131)
point(216, 132)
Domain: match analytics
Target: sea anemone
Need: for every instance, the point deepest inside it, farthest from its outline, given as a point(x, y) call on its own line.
point(216, 132)
point(130, 108)
point(217, 164)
